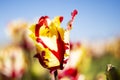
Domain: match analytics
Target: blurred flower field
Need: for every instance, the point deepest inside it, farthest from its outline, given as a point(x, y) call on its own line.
point(87, 60)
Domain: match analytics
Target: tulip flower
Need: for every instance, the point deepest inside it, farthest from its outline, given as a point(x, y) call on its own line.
point(12, 61)
point(52, 41)
point(17, 31)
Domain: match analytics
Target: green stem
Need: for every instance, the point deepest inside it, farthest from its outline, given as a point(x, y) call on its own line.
point(56, 75)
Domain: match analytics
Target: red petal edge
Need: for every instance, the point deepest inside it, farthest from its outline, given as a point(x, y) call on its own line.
point(42, 20)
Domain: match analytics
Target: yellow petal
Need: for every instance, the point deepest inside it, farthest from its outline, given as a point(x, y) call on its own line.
point(61, 32)
point(50, 42)
point(32, 28)
point(52, 60)
point(56, 21)
point(66, 36)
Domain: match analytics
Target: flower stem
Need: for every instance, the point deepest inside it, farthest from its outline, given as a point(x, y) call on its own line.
point(56, 75)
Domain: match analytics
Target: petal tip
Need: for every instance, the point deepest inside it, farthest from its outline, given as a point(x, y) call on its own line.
point(74, 13)
point(61, 18)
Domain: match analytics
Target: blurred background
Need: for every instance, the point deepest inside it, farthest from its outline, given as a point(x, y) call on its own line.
point(95, 38)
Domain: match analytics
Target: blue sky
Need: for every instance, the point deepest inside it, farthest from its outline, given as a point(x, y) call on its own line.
point(97, 19)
